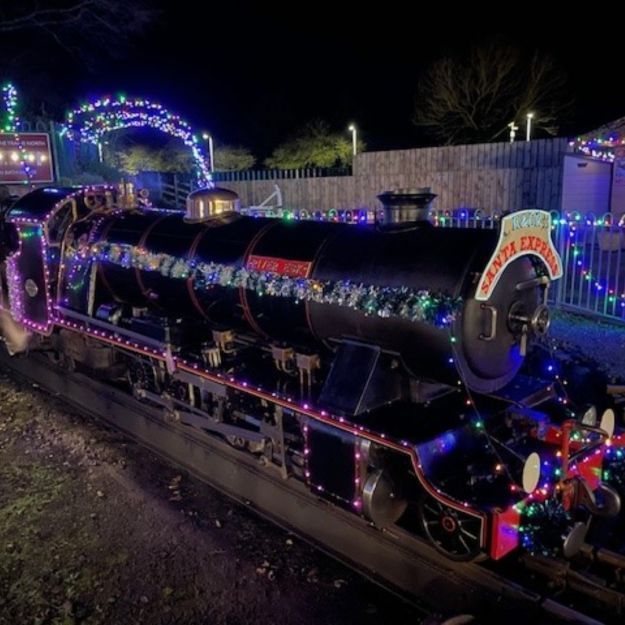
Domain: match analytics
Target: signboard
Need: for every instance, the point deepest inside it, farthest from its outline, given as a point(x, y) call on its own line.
point(281, 266)
point(522, 233)
point(32, 148)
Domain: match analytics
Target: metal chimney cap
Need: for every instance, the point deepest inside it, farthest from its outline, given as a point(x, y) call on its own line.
point(406, 206)
point(205, 204)
point(419, 195)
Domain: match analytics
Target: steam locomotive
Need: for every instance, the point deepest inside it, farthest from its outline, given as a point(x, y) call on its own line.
point(378, 364)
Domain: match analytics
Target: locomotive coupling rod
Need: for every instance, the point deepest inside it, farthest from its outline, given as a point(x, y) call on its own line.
point(603, 556)
point(565, 577)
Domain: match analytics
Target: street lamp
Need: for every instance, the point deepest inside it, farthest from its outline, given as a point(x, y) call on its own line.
point(211, 156)
point(354, 131)
point(529, 116)
point(513, 128)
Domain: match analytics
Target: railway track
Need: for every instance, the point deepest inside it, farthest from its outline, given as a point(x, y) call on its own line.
point(541, 589)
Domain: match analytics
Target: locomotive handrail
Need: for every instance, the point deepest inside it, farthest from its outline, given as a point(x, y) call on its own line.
point(568, 427)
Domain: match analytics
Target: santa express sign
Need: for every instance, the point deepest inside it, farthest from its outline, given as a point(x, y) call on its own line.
point(522, 233)
point(25, 148)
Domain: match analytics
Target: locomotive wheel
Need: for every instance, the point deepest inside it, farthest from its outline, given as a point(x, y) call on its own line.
point(142, 375)
point(452, 533)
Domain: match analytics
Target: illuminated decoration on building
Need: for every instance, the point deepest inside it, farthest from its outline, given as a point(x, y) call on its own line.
point(93, 120)
point(603, 143)
point(412, 304)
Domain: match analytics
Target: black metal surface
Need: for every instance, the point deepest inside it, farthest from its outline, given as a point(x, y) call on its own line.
point(439, 260)
point(397, 560)
point(38, 203)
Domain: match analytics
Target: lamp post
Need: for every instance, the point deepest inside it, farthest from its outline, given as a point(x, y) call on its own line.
point(354, 131)
point(513, 128)
point(211, 156)
point(529, 117)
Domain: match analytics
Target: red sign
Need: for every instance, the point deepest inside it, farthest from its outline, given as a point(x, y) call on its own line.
point(281, 266)
point(25, 148)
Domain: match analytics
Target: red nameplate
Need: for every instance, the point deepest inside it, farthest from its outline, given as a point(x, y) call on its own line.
point(281, 266)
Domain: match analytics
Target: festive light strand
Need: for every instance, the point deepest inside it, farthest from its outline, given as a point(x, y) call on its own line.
point(9, 98)
point(93, 120)
point(604, 145)
point(11, 124)
point(413, 304)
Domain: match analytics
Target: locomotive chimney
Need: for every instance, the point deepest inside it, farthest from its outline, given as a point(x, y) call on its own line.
point(206, 204)
point(404, 206)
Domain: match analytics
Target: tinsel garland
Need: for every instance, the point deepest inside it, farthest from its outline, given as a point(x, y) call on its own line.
point(421, 305)
point(542, 526)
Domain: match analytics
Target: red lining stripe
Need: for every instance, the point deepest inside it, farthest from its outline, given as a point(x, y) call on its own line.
point(192, 250)
point(140, 244)
point(247, 312)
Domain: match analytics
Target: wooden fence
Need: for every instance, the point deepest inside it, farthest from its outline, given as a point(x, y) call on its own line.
point(491, 176)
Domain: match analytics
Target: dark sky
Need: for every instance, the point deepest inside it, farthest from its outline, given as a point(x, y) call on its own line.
point(252, 73)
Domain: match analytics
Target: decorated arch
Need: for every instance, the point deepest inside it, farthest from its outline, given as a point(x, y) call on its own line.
point(91, 121)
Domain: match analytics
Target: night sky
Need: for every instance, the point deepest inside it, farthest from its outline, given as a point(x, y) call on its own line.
point(253, 74)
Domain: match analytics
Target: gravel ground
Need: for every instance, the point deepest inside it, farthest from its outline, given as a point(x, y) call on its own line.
point(96, 530)
point(601, 341)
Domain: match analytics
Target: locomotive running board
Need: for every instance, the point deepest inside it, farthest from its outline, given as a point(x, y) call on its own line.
point(401, 563)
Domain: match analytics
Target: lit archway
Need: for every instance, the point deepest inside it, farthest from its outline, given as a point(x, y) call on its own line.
point(90, 122)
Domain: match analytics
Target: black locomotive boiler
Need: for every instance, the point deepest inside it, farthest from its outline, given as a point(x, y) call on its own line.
point(377, 364)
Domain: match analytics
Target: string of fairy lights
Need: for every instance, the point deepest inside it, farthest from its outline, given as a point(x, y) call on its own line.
point(93, 120)
point(603, 148)
point(10, 124)
point(10, 120)
point(436, 309)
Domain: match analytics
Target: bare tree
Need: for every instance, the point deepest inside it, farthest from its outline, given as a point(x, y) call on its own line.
point(473, 99)
point(77, 26)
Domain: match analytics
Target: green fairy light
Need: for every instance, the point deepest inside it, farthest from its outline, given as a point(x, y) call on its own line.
point(542, 526)
point(10, 123)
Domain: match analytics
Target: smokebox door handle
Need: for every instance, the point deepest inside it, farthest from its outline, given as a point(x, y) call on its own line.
point(493, 323)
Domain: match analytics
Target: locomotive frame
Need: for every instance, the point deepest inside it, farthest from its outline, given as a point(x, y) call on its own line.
point(459, 466)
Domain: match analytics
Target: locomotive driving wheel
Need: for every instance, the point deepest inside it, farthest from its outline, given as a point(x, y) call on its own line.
point(452, 532)
point(142, 375)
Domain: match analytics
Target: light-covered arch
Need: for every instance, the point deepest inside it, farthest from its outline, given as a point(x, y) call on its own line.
point(91, 121)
